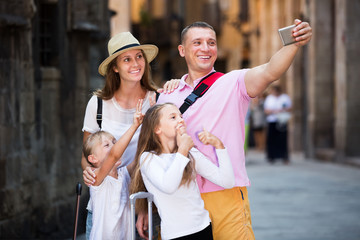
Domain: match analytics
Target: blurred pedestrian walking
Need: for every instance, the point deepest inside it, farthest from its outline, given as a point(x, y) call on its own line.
point(277, 107)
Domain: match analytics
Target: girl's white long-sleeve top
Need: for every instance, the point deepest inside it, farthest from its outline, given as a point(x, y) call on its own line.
point(181, 208)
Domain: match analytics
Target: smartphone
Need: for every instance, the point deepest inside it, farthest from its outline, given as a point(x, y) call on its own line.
point(286, 35)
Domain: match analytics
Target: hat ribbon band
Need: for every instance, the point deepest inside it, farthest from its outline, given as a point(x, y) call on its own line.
point(126, 46)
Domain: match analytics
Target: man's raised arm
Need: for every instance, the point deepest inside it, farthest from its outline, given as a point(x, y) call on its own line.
point(259, 78)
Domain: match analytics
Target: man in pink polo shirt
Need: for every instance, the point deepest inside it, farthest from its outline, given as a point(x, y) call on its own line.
point(221, 111)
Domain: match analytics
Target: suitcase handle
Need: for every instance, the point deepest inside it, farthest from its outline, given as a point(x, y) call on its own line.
point(150, 199)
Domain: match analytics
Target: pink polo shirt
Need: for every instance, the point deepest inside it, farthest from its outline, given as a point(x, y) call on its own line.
point(221, 111)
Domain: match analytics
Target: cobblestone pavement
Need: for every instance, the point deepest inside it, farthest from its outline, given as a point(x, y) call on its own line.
point(306, 199)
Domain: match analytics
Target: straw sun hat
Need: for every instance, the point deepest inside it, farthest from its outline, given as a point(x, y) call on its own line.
point(123, 42)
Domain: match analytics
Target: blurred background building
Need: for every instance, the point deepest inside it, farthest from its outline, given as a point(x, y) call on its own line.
point(50, 51)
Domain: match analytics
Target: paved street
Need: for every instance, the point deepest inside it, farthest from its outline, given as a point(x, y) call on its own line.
point(303, 200)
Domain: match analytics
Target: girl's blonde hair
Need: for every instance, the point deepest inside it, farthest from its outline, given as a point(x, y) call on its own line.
point(150, 142)
point(112, 80)
point(94, 140)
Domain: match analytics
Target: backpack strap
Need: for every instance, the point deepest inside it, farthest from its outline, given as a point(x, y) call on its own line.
point(200, 89)
point(157, 96)
point(99, 109)
point(99, 112)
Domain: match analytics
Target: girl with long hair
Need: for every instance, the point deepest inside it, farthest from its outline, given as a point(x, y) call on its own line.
point(166, 166)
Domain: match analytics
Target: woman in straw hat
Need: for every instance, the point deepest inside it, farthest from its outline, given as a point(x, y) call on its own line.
point(127, 79)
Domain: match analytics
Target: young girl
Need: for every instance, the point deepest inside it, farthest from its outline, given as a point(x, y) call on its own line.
point(110, 194)
point(166, 166)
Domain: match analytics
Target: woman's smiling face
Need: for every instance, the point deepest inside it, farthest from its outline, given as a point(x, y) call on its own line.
point(130, 65)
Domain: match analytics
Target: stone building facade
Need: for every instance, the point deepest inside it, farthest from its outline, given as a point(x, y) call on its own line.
point(48, 50)
point(322, 80)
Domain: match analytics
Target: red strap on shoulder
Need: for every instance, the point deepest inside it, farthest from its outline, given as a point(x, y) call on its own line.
point(208, 81)
point(199, 90)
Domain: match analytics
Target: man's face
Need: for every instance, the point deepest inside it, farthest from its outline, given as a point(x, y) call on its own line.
point(199, 49)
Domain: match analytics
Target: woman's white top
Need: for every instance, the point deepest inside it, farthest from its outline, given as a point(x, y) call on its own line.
point(115, 120)
point(273, 102)
point(110, 207)
point(181, 208)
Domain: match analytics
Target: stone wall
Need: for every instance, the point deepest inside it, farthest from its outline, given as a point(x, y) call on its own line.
point(347, 73)
point(42, 104)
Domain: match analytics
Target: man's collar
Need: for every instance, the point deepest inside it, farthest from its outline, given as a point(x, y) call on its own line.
point(196, 81)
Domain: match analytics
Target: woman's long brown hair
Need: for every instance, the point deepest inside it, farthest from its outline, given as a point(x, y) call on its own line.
point(150, 142)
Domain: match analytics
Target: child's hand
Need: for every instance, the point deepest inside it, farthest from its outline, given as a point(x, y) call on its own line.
point(184, 141)
point(138, 116)
point(207, 138)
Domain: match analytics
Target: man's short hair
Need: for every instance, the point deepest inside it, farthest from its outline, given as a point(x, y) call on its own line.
point(195, 24)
